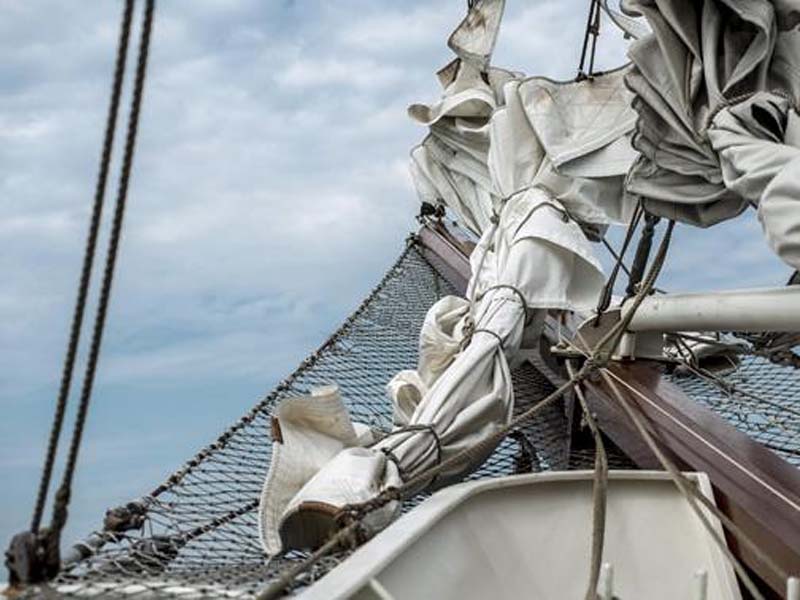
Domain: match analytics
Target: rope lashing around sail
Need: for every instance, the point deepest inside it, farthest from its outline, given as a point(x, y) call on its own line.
point(494, 334)
point(469, 327)
point(352, 515)
point(35, 556)
point(423, 427)
point(520, 296)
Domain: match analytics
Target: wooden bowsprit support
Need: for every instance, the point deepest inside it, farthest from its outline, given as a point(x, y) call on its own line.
point(757, 490)
point(447, 253)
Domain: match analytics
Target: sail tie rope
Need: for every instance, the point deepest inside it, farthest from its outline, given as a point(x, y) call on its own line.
point(417, 427)
point(352, 515)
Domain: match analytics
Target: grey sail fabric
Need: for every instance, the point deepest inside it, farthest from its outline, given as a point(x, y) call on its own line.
point(758, 141)
point(633, 28)
point(535, 169)
point(450, 168)
point(701, 60)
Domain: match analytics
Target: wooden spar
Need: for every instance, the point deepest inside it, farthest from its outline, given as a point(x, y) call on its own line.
point(445, 252)
point(757, 490)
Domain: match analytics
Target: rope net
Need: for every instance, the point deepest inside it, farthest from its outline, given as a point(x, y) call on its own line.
point(197, 533)
point(759, 398)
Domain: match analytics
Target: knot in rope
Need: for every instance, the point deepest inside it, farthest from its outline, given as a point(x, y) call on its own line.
point(351, 514)
point(419, 427)
point(517, 292)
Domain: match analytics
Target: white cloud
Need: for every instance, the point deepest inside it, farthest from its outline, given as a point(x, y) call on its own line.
point(405, 31)
point(269, 191)
point(322, 72)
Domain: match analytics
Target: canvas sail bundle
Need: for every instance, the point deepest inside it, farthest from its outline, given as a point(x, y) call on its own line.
point(716, 88)
point(537, 170)
point(533, 167)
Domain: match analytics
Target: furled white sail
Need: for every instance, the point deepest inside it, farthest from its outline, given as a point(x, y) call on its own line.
point(717, 91)
point(535, 168)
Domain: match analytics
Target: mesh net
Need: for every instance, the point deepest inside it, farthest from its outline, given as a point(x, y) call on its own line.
point(760, 398)
point(198, 534)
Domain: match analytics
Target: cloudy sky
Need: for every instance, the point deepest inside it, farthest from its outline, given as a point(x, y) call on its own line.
point(269, 194)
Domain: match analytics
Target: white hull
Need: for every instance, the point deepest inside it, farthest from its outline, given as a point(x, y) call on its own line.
point(529, 536)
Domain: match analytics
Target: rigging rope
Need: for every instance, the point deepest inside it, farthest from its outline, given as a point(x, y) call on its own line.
point(352, 515)
point(593, 31)
point(64, 491)
point(35, 556)
point(693, 495)
point(599, 491)
point(642, 254)
point(690, 492)
point(86, 268)
point(608, 289)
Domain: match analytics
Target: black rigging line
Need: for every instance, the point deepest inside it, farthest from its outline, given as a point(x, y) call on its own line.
point(64, 491)
point(34, 556)
point(608, 289)
point(592, 30)
point(86, 269)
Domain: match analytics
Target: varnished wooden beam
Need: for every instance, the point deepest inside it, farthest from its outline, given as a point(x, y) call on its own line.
point(756, 488)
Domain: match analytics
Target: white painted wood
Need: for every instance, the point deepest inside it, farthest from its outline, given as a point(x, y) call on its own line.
point(529, 537)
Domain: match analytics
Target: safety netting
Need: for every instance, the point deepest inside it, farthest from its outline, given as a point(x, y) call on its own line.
point(760, 398)
point(196, 535)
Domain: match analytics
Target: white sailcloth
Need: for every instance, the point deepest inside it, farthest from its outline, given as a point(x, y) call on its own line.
point(717, 91)
point(530, 166)
point(758, 141)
